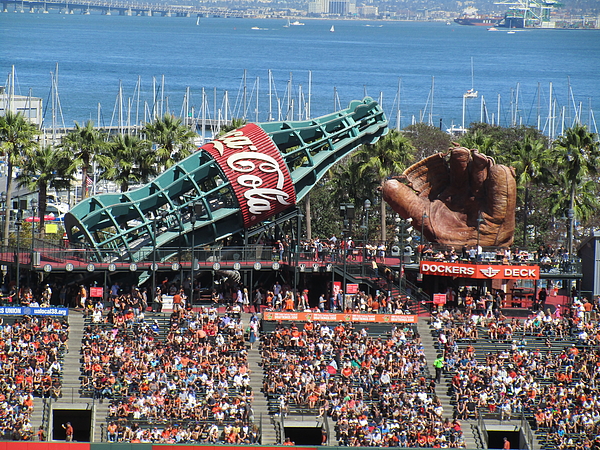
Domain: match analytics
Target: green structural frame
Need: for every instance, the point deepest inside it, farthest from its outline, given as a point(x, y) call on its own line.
point(193, 204)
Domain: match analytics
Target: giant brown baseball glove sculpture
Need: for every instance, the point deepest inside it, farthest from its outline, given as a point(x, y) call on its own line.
point(449, 194)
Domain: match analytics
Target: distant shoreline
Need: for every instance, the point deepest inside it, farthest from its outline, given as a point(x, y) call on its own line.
point(240, 15)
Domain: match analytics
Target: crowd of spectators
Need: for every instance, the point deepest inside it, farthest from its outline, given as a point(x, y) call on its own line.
point(376, 388)
point(192, 373)
point(30, 365)
point(547, 256)
point(333, 249)
point(545, 367)
point(185, 433)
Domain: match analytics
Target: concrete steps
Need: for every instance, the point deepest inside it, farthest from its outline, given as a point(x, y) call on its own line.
point(259, 405)
point(441, 389)
point(71, 397)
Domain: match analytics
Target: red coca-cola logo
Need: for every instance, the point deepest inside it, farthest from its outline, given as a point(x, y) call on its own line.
point(256, 171)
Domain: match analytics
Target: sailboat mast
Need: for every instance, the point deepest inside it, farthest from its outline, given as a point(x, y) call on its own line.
point(203, 114)
point(431, 106)
point(270, 96)
point(299, 102)
point(52, 77)
point(472, 76)
point(245, 93)
point(550, 124)
point(257, 90)
point(137, 106)
point(309, 94)
point(162, 95)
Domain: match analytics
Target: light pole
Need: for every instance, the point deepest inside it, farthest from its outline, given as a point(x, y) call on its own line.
point(297, 257)
point(34, 204)
point(480, 220)
point(18, 224)
point(3, 206)
point(160, 216)
point(367, 206)
point(423, 217)
point(154, 260)
point(193, 221)
point(347, 212)
point(402, 225)
point(570, 217)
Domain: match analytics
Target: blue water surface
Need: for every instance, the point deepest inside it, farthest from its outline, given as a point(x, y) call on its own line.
point(421, 69)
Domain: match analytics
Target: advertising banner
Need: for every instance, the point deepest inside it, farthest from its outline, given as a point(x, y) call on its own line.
point(340, 317)
point(37, 311)
point(439, 299)
point(480, 271)
point(96, 292)
point(351, 288)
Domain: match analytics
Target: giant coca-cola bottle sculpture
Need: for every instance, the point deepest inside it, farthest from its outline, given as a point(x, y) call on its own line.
point(231, 183)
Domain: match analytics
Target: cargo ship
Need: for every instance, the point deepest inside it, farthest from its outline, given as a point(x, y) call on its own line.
point(470, 17)
point(479, 21)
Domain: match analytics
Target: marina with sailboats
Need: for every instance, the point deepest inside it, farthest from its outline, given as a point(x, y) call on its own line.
point(119, 89)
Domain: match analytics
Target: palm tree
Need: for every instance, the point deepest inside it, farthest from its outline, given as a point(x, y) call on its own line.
point(174, 141)
point(480, 141)
point(46, 168)
point(576, 156)
point(233, 125)
point(17, 140)
point(528, 157)
point(132, 161)
point(84, 145)
point(389, 155)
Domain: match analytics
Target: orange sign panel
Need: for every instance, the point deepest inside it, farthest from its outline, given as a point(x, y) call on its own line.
point(480, 271)
point(340, 317)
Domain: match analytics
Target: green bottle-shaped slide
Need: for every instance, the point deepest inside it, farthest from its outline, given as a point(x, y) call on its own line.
point(232, 183)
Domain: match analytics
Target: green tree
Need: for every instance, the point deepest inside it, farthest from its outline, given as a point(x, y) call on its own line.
point(427, 139)
point(529, 157)
point(83, 146)
point(174, 141)
point(496, 141)
point(390, 155)
point(132, 161)
point(576, 156)
point(45, 168)
point(480, 141)
point(17, 140)
point(233, 125)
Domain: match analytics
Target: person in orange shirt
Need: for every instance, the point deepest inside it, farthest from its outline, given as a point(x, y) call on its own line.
point(347, 372)
point(289, 302)
point(177, 299)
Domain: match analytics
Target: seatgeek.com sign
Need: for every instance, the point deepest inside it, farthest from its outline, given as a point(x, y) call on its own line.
point(480, 271)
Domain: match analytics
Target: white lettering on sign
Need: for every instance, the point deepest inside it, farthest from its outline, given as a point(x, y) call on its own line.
point(259, 199)
point(443, 268)
point(520, 272)
point(234, 139)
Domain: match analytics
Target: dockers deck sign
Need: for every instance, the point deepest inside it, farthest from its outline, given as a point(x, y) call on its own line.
point(480, 271)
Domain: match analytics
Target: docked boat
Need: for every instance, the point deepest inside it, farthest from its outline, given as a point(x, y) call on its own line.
point(479, 21)
point(472, 18)
point(471, 93)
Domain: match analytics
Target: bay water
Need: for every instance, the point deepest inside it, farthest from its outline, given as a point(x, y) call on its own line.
point(420, 69)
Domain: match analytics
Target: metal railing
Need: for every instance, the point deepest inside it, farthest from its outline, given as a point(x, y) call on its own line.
point(483, 431)
point(46, 413)
point(527, 432)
